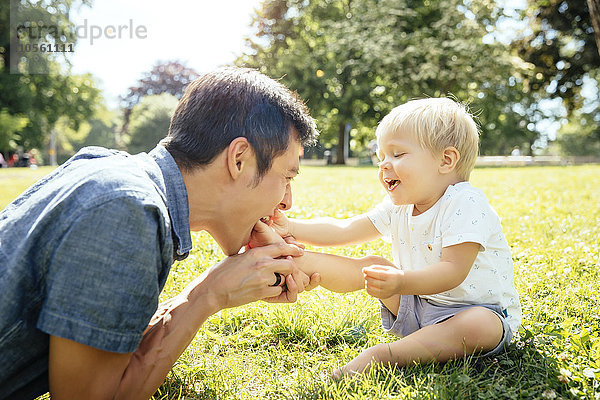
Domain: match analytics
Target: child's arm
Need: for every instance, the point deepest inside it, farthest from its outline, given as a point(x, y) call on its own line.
point(327, 231)
point(338, 274)
point(454, 266)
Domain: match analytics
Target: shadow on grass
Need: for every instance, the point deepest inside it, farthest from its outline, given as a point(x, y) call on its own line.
point(519, 373)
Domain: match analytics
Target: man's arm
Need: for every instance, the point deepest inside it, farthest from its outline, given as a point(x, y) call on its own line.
point(456, 262)
point(79, 371)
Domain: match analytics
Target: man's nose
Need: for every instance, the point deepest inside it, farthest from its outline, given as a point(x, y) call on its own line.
point(286, 202)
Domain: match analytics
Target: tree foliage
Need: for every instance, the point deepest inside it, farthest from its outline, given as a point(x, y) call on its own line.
point(149, 122)
point(353, 61)
point(580, 136)
point(171, 77)
point(98, 130)
point(561, 47)
point(40, 99)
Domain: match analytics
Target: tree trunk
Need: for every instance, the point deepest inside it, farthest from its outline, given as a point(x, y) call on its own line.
point(340, 157)
point(594, 6)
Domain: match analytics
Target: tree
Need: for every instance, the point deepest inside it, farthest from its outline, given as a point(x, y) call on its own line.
point(594, 6)
point(171, 77)
point(353, 61)
point(98, 130)
point(10, 125)
point(40, 90)
point(563, 51)
point(149, 122)
point(102, 129)
point(298, 35)
point(580, 136)
point(561, 47)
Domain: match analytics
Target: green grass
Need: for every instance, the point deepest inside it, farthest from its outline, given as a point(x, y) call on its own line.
point(551, 218)
point(13, 181)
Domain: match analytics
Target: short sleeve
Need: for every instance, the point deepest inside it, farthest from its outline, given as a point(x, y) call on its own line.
point(469, 218)
point(103, 285)
point(381, 217)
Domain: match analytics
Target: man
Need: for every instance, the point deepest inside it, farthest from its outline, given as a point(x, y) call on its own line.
point(85, 252)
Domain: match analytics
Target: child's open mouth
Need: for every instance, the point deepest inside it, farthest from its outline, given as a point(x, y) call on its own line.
point(391, 183)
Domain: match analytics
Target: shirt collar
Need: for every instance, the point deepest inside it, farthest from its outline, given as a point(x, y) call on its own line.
point(177, 199)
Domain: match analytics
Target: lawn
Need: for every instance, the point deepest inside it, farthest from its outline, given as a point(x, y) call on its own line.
point(551, 218)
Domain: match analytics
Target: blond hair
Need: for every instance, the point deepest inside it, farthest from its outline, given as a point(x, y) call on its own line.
point(437, 123)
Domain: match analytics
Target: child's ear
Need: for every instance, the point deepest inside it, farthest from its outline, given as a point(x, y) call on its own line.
point(450, 157)
point(239, 153)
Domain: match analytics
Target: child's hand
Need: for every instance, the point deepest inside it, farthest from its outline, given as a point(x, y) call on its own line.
point(383, 281)
point(280, 223)
point(263, 235)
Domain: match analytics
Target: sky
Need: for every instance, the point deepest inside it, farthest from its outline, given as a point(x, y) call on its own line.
point(120, 40)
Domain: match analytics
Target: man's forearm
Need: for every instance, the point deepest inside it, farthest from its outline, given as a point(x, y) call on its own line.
point(170, 331)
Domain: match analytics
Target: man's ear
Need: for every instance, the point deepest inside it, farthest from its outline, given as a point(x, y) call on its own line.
point(239, 153)
point(449, 159)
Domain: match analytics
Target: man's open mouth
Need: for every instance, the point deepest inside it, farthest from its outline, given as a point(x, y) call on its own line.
point(266, 219)
point(391, 183)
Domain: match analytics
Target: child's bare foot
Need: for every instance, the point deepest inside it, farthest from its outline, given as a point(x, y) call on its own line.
point(342, 373)
point(361, 364)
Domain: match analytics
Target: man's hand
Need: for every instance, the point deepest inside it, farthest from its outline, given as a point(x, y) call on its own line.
point(383, 281)
point(264, 235)
point(248, 276)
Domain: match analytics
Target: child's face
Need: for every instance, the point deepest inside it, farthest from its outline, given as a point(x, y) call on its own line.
point(408, 172)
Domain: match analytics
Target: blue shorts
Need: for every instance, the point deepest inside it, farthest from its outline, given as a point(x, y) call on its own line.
point(416, 312)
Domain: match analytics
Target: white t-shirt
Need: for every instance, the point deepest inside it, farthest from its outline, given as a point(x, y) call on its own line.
point(462, 214)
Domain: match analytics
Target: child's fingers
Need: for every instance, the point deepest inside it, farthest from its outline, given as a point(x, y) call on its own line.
point(378, 268)
point(374, 283)
point(376, 272)
point(292, 240)
point(374, 291)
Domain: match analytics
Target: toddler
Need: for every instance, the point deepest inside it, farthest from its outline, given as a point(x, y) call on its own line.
point(450, 290)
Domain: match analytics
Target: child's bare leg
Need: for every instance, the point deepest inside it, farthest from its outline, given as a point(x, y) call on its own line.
point(392, 303)
point(473, 330)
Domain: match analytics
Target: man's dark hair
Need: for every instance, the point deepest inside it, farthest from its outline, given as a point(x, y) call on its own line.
point(236, 102)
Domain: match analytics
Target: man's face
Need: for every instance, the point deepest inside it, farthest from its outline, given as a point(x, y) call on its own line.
point(256, 201)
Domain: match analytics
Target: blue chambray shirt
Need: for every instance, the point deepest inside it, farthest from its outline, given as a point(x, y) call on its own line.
point(84, 254)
